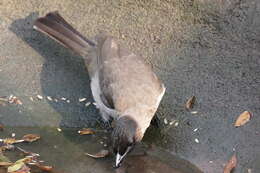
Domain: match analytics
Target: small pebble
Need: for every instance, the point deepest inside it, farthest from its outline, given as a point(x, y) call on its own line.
point(13, 135)
point(82, 99)
point(176, 124)
point(210, 161)
point(195, 130)
point(87, 104)
point(63, 98)
point(105, 145)
point(49, 98)
point(68, 101)
point(196, 140)
point(39, 97)
point(165, 121)
point(101, 142)
point(59, 129)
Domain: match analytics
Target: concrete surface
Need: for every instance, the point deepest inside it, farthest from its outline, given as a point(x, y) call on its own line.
point(202, 48)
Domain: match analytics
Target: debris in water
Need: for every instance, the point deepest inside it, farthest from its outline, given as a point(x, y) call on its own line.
point(87, 104)
point(190, 102)
point(15, 100)
point(165, 121)
point(196, 140)
point(39, 97)
point(243, 118)
point(231, 164)
point(86, 131)
point(59, 129)
point(195, 130)
point(82, 99)
point(49, 98)
point(194, 112)
point(68, 101)
point(31, 137)
point(100, 154)
point(63, 98)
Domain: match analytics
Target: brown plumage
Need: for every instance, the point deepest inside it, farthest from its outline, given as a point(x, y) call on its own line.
point(123, 85)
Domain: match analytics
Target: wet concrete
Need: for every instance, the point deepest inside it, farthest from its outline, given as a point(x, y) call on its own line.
point(210, 50)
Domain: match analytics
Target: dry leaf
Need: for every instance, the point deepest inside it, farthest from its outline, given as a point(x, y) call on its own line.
point(231, 164)
point(100, 154)
point(44, 168)
point(243, 119)
point(5, 163)
point(31, 137)
point(9, 140)
point(190, 102)
point(4, 99)
point(86, 131)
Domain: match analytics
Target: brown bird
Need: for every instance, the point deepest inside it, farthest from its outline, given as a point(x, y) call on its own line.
point(123, 86)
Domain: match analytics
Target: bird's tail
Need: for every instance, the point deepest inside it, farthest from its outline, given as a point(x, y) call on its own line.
point(57, 28)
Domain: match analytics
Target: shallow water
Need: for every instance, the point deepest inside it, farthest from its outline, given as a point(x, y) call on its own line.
point(66, 150)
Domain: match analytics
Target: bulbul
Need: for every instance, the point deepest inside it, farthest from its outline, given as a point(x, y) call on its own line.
point(123, 86)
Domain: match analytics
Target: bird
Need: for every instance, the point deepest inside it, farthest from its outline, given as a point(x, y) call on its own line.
point(123, 85)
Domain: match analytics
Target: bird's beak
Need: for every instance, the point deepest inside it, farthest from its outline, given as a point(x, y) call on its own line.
point(119, 158)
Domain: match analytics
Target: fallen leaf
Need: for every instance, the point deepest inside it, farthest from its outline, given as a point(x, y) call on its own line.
point(86, 131)
point(190, 102)
point(44, 168)
point(231, 164)
point(243, 118)
point(4, 99)
point(5, 163)
point(100, 154)
point(31, 137)
point(9, 140)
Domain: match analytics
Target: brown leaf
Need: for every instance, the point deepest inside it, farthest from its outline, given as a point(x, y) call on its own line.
point(190, 102)
point(31, 137)
point(100, 154)
point(231, 164)
point(9, 140)
point(15, 100)
point(5, 163)
point(86, 131)
point(243, 118)
point(44, 168)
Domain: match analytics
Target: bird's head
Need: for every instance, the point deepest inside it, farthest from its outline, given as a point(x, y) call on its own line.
point(124, 137)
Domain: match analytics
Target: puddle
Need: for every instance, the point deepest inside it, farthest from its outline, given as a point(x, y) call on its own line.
point(66, 150)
